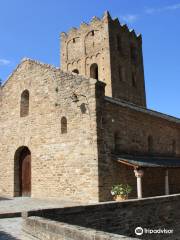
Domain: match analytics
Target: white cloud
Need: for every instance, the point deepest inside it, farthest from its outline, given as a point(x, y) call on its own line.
point(162, 9)
point(130, 18)
point(4, 62)
point(173, 7)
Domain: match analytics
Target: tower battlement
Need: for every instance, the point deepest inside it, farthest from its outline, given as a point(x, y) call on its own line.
point(109, 51)
point(96, 20)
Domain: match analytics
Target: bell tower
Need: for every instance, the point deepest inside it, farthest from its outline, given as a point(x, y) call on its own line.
point(110, 52)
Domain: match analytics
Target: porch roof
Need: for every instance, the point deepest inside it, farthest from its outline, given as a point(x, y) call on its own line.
point(147, 161)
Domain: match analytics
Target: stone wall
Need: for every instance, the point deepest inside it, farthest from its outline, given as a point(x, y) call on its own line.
point(114, 217)
point(46, 229)
point(132, 126)
point(63, 165)
point(127, 71)
point(78, 164)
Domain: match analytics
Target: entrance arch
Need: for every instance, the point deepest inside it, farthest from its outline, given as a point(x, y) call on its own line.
point(22, 172)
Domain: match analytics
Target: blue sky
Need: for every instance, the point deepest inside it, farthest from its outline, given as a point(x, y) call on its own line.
point(31, 29)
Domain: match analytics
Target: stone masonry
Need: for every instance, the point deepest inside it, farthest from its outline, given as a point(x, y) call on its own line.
point(63, 165)
point(115, 49)
point(59, 130)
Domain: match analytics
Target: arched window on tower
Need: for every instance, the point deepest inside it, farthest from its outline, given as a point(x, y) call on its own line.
point(24, 105)
point(63, 125)
point(133, 52)
point(119, 43)
point(134, 84)
point(150, 144)
point(122, 74)
point(75, 71)
point(94, 71)
point(174, 147)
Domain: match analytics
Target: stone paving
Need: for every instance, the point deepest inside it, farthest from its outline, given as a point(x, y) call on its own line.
point(21, 204)
point(10, 228)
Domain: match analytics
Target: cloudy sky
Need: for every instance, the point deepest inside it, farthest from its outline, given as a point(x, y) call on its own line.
point(31, 29)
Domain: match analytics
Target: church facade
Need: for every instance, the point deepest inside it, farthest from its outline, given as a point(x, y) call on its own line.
point(75, 131)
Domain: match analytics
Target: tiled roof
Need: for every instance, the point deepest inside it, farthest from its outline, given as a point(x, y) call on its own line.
point(142, 109)
point(147, 161)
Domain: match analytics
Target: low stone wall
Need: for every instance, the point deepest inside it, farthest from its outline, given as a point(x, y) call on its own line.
point(157, 213)
point(44, 229)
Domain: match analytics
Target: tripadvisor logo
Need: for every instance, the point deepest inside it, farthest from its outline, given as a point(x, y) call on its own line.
point(139, 231)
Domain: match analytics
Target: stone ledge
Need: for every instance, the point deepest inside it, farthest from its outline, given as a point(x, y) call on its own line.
point(95, 207)
point(49, 229)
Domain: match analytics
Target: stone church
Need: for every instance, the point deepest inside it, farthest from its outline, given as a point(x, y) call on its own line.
point(73, 132)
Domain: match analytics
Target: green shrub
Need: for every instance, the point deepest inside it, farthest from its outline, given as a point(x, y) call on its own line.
point(121, 189)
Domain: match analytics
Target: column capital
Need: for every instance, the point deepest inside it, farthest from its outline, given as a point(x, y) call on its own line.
point(138, 173)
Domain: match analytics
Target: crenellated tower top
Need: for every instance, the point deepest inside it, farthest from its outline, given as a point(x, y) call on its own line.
point(109, 51)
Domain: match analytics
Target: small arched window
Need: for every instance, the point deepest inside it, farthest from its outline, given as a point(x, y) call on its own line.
point(150, 144)
point(134, 84)
point(83, 108)
point(63, 125)
point(94, 71)
point(119, 43)
point(117, 142)
point(24, 105)
point(122, 74)
point(75, 71)
point(133, 50)
point(174, 147)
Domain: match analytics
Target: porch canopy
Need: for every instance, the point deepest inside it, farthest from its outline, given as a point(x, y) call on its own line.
point(140, 162)
point(148, 162)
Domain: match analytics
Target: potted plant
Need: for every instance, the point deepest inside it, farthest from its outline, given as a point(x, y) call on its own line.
point(120, 191)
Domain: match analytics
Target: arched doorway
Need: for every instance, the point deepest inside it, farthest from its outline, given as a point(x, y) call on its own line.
point(22, 172)
point(94, 71)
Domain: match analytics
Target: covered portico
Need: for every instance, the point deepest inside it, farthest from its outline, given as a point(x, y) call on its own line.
point(140, 163)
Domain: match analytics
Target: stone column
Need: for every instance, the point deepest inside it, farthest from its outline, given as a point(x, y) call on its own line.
point(139, 174)
point(166, 182)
